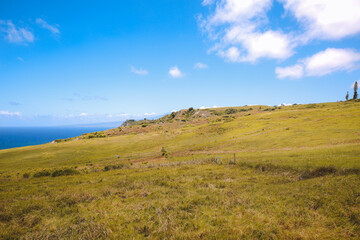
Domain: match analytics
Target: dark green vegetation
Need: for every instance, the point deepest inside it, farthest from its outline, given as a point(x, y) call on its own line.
point(295, 175)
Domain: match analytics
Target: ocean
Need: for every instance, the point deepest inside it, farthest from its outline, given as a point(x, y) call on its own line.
point(11, 137)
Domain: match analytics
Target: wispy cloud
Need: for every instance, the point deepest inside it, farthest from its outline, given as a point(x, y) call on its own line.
point(150, 114)
point(14, 103)
point(20, 59)
point(200, 65)
point(52, 28)
point(77, 96)
point(139, 71)
point(83, 116)
point(207, 2)
point(15, 34)
point(9, 114)
point(296, 71)
point(92, 98)
point(322, 63)
point(175, 72)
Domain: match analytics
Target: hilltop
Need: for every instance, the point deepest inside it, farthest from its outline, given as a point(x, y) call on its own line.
point(251, 172)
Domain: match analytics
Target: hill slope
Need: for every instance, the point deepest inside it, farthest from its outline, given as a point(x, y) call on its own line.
point(242, 172)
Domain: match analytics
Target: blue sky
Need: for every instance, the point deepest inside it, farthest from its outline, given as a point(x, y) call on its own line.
point(71, 62)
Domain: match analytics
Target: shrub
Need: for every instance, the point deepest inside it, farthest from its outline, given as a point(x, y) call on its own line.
point(26, 175)
point(110, 167)
point(230, 111)
point(172, 115)
point(318, 172)
point(312, 105)
point(190, 112)
point(65, 172)
point(164, 153)
point(42, 173)
point(100, 134)
point(128, 123)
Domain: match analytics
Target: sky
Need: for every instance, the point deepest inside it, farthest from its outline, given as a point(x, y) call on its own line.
point(73, 62)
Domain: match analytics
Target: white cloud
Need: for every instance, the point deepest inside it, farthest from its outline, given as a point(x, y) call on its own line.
point(10, 114)
point(232, 54)
point(241, 32)
point(16, 34)
point(284, 104)
point(231, 11)
point(207, 2)
point(139, 71)
point(322, 63)
point(326, 19)
point(20, 59)
point(83, 114)
point(52, 28)
point(200, 65)
point(332, 60)
point(296, 71)
point(236, 26)
point(150, 114)
point(269, 44)
point(175, 72)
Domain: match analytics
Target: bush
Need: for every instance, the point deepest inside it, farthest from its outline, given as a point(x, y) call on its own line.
point(190, 111)
point(26, 175)
point(94, 135)
point(318, 172)
point(164, 153)
point(65, 172)
point(230, 111)
point(43, 173)
point(172, 115)
point(312, 105)
point(110, 167)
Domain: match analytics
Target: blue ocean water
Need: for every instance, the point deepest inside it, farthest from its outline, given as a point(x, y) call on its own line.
point(11, 137)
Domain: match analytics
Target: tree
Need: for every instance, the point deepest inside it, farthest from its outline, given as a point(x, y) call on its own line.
point(355, 90)
point(347, 96)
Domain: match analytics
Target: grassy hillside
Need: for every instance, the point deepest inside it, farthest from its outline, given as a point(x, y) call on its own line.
point(254, 172)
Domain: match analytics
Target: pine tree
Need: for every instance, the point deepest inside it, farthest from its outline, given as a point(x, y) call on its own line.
point(355, 90)
point(347, 96)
